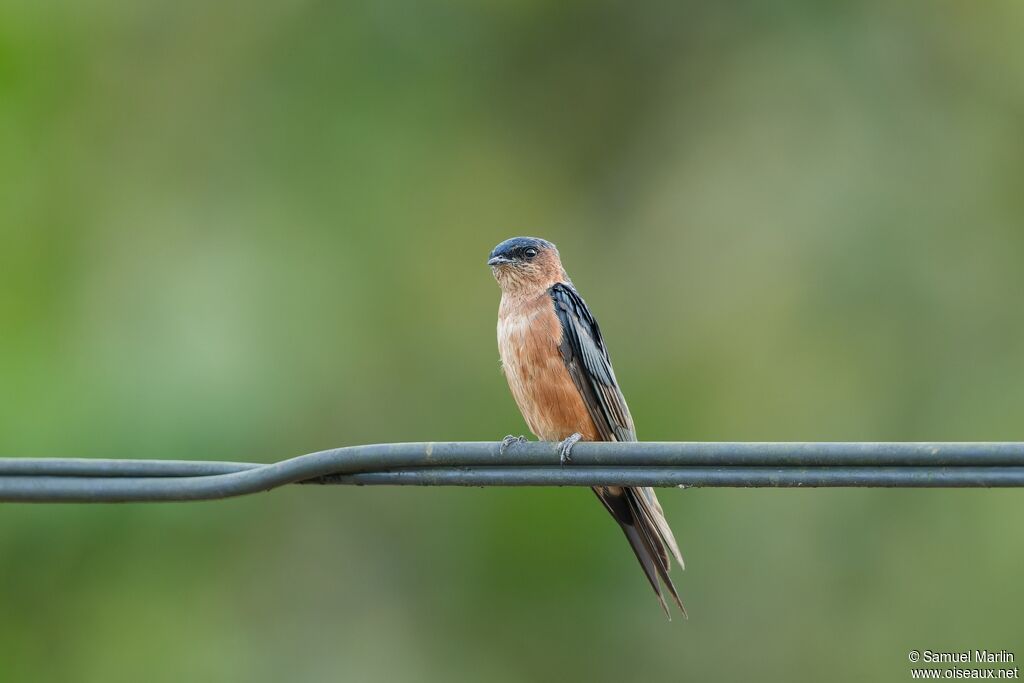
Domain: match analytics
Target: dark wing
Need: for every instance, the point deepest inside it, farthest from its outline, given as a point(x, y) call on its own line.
point(635, 509)
point(587, 360)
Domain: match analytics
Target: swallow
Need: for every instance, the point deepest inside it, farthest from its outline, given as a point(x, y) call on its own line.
point(557, 366)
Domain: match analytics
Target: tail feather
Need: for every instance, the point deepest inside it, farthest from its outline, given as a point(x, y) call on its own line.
point(641, 546)
point(652, 509)
point(652, 533)
point(639, 514)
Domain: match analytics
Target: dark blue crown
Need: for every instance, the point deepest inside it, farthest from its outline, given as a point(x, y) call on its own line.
point(516, 247)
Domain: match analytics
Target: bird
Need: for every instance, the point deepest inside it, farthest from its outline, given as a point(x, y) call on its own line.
point(558, 368)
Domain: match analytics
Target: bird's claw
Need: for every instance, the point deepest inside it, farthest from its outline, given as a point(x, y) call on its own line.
point(565, 448)
point(508, 441)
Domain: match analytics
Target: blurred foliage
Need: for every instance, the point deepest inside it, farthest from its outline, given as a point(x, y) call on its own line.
point(233, 231)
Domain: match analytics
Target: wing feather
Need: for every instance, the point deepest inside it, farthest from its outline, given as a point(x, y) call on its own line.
point(586, 358)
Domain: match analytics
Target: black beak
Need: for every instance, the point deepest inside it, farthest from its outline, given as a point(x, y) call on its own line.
point(498, 260)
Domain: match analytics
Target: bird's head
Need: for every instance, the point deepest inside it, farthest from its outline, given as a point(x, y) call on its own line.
point(526, 265)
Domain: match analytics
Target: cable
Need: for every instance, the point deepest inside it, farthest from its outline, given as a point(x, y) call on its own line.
point(717, 464)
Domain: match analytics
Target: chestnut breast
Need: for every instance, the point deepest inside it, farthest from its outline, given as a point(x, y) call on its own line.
point(529, 334)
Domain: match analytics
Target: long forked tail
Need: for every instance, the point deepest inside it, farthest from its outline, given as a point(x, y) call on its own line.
point(639, 514)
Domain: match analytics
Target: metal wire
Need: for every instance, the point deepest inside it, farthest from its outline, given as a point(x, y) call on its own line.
point(829, 464)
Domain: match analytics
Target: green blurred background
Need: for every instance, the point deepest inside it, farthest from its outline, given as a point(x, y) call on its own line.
point(231, 231)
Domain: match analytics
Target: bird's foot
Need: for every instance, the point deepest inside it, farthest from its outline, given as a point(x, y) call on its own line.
point(565, 448)
point(508, 441)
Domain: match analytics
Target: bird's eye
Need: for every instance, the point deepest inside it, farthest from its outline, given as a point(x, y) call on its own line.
point(530, 253)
